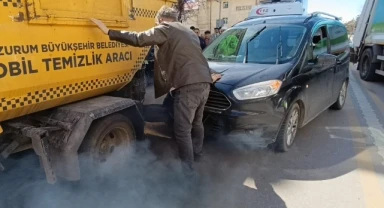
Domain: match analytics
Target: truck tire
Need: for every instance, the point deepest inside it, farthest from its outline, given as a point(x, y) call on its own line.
point(286, 136)
point(366, 67)
point(138, 85)
point(107, 134)
point(136, 89)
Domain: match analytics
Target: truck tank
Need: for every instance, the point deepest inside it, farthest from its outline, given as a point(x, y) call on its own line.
point(51, 54)
point(370, 25)
point(368, 41)
point(376, 34)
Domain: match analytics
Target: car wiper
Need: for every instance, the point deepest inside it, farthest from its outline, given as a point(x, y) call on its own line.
point(279, 49)
point(249, 40)
point(222, 73)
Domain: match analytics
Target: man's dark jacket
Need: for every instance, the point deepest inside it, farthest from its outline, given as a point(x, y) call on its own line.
point(179, 59)
point(203, 44)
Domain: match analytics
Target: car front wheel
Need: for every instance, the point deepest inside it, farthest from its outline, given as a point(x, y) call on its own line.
point(339, 104)
point(288, 130)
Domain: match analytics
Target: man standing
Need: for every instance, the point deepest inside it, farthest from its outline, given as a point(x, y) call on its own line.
point(203, 44)
point(223, 29)
point(207, 37)
point(216, 34)
point(181, 66)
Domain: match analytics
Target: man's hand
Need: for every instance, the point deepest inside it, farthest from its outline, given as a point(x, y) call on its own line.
point(101, 25)
point(215, 77)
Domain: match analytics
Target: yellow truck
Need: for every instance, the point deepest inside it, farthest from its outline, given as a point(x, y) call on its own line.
point(64, 87)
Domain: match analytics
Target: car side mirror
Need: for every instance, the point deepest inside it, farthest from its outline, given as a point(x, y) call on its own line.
point(308, 67)
point(325, 60)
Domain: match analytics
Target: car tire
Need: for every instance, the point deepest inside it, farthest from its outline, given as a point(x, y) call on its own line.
point(137, 87)
point(286, 136)
point(339, 104)
point(367, 69)
point(146, 84)
point(107, 134)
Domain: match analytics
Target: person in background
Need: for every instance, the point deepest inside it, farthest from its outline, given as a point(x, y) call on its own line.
point(203, 45)
point(223, 29)
point(207, 37)
point(181, 67)
point(216, 34)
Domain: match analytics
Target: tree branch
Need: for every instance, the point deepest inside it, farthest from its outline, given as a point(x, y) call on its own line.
point(185, 8)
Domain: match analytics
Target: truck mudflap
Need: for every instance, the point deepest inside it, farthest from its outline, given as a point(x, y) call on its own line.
point(7, 148)
point(60, 132)
point(354, 58)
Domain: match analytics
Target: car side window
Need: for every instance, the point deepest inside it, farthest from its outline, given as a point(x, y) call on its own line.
point(339, 40)
point(320, 42)
point(318, 45)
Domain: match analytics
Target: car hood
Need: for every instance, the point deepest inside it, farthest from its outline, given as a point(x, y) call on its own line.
point(239, 74)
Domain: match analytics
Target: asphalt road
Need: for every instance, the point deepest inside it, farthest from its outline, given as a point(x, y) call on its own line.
point(337, 162)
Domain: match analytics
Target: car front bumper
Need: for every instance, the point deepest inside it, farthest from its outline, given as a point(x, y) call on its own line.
point(257, 120)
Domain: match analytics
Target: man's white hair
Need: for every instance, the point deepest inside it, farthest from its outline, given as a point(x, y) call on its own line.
point(166, 12)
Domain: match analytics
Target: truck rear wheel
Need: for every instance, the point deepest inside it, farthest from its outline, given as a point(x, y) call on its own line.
point(366, 67)
point(106, 135)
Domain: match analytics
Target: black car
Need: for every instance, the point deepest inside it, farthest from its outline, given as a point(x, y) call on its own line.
point(279, 73)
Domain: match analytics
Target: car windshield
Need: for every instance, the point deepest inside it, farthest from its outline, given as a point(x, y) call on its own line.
point(274, 42)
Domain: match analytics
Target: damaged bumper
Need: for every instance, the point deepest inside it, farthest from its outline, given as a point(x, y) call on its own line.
point(256, 121)
point(261, 125)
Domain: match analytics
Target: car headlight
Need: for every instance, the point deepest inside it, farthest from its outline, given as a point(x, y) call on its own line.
point(258, 90)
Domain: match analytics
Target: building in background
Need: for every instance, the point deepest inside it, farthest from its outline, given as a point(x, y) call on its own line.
point(208, 14)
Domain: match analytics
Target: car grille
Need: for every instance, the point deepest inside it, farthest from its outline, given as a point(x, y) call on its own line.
point(218, 101)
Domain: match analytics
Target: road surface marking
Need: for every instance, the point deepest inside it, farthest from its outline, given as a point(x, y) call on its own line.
point(373, 193)
point(377, 101)
point(358, 140)
point(375, 128)
point(250, 183)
